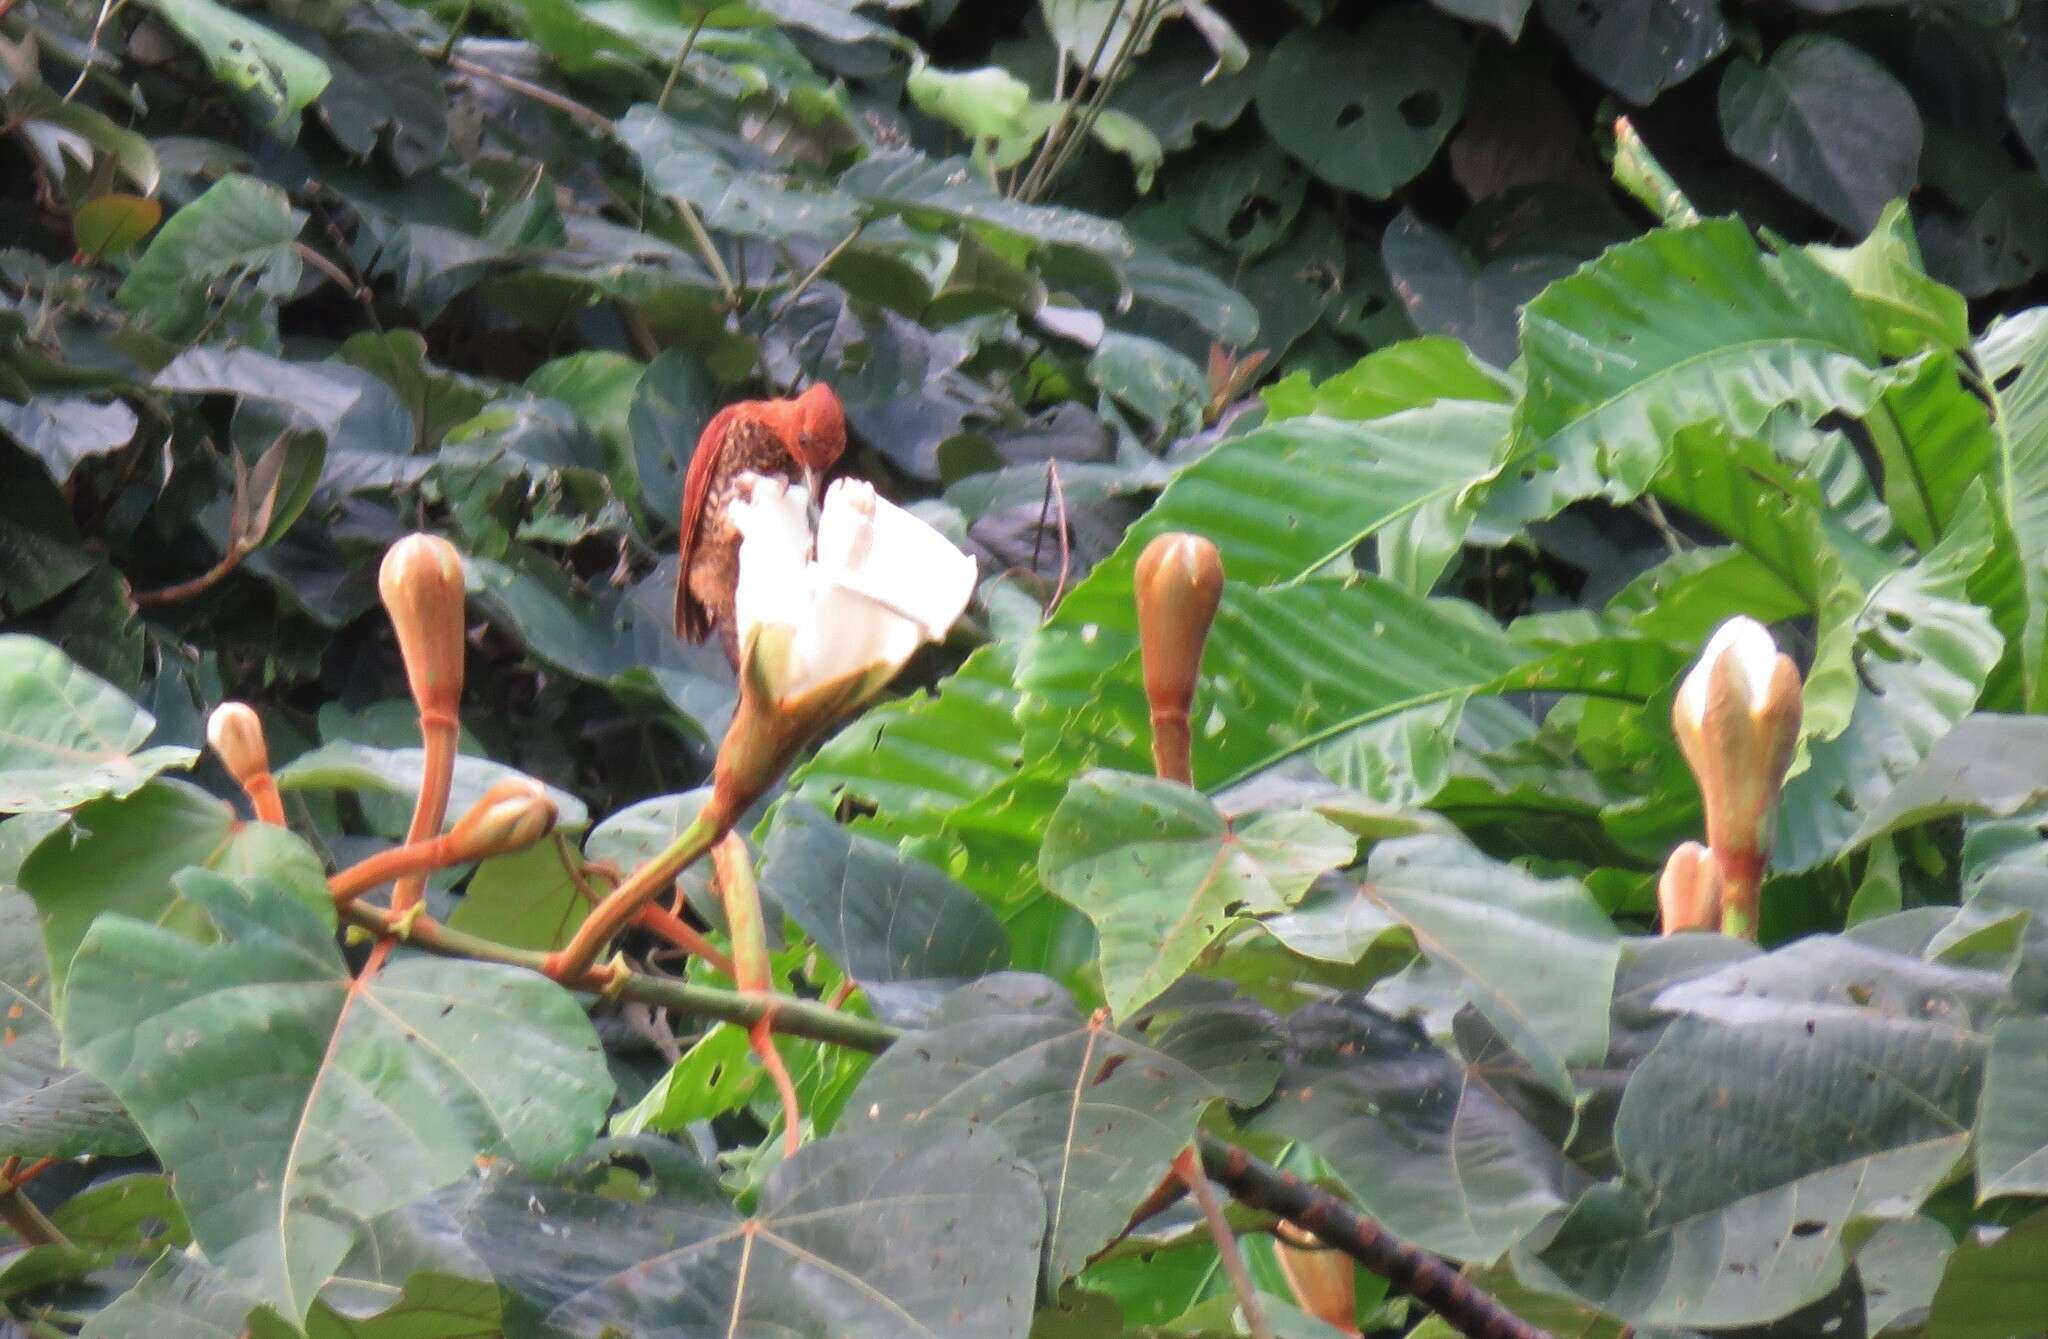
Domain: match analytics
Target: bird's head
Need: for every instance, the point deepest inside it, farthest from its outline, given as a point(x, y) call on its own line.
point(820, 429)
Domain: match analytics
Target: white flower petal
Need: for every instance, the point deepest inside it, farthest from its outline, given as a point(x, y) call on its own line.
point(776, 583)
point(870, 545)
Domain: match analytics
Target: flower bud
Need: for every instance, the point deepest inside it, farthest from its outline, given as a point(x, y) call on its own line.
point(235, 735)
point(1737, 720)
point(511, 816)
point(1179, 584)
point(1324, 1281)
point(421, 585)
point(1689, 890)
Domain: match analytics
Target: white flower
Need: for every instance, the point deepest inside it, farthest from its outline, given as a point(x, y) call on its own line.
point(876, 584)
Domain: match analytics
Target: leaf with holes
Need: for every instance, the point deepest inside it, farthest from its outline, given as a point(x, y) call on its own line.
point(1367, 109)
point(291, 1104)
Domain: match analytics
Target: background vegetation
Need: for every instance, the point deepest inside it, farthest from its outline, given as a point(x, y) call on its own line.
point(283, 283)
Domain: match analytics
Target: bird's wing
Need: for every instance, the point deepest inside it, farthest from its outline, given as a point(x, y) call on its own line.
point(693, 620)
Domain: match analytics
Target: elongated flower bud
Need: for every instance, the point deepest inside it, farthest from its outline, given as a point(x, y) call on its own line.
point(1737, 720)
point(1179, 584)
point(1689, 890)
point(235, 734)
point(421, 585)
point(511, 816)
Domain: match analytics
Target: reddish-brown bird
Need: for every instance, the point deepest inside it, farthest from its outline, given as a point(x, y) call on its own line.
point(796, 440)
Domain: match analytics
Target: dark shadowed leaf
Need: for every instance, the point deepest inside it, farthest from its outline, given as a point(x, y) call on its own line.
point(292, 1105)
point(1367, 109)
point(1639, 48)
point(899, 1235)
point(47, 1108)
point(62, 432)
point(894, 923)
point(1826, 122)
point(1423, 1139)
point(1097, 1114)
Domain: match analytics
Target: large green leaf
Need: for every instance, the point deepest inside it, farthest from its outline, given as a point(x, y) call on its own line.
point(1162, 873)
point(1925, 651)
point(2012, 1130)
point(1428, 1144)
point(1366, 108)
point(62, 431)
point(122, 856)
point(292, 1104)
point(1537, 957)
point(1994, 1289)
point(2014, 356)
point(1826, 122)
point(1098, 1114)
point(751, 201)
point(68, 736)
point(902, 1235)
point(1790, 1097)
point(1681, 327)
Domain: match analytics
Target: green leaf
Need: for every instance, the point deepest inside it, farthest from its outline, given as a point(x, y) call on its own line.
point(1162, 873)
point(1987, 766)
point(987, 103)
point(1428, 1145)
point(895, 924)
point(1681, 327)
point(1097, 1114)
point(281, 76)
point(2013, 354)
point(343, 765)
point(716, 1075)
point(47, 1108)
point(1639, 48)
point(66, 736)
point(1366, 109)
point(382, 88)
point(270, 1083)
point(1826, 122)
point(1908, 309)
point(524, 900)
point(901, 181)
point(241, 227)
point(2012, 1123)
point(1995, 1289)
point(877, 1236)
point(751, 202)
point(1791, 1096)
point(63, 432)
point(1924, 652)
point(1536, 956)
point(180, 1297)
point(124, 1217)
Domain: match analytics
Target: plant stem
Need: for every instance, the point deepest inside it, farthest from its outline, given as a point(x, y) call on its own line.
point(21, 1214)
point(749, 930)
point(653, 916)
point(793, 1016)
point(1188, 1167)
point(788, 299)
point(199, 585)
point(1428, 1278)
point(438, 731)
point(707, 251)
point(622, 906)
point(1139, 27)
point(682, 54)
point(1048, 145)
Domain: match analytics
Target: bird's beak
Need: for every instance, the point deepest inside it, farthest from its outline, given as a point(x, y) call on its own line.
point(811, 492)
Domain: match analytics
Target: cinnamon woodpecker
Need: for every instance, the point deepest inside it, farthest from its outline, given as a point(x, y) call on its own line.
point(796, 440)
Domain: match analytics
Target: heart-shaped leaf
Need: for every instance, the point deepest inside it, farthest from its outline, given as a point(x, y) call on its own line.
point(1161, 873)
point(293, 1104)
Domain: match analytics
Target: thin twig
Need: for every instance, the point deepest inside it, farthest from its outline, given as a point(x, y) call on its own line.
point(92, 46)
point(342, 279)
point(707, 251)
point(546, 97)
point(788, 299)
point(675, 71)
point(1059, 497)
point(1147, 14)
point(199, 585)
point(455, 31)
point(1188, 1167)
point(20, 1213)
point(1046, 146)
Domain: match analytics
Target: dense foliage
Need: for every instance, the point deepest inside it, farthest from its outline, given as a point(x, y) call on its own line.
point(279, 285)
